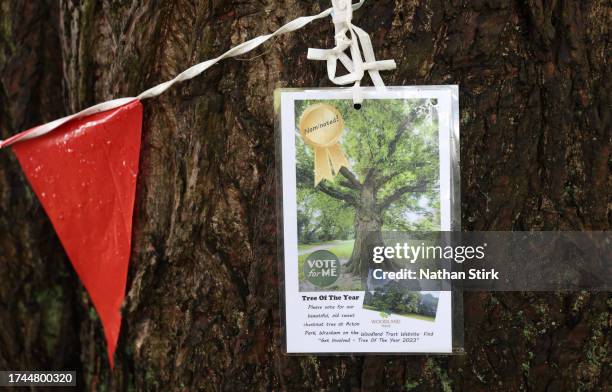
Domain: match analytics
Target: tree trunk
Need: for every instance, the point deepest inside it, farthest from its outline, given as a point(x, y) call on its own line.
point(367, 234)
point(203, 311)
point(368, 224)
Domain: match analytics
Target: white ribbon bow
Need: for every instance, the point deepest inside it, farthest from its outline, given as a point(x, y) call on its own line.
point(342, 16)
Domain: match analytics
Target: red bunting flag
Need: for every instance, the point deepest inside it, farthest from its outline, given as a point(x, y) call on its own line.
point(84, 174)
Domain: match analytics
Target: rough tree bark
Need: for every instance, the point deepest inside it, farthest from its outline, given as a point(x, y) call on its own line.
point(368, 222)
point(202, 311)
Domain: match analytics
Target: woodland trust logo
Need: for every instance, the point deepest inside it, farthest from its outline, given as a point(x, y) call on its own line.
point(322, 268)
point(321, 127)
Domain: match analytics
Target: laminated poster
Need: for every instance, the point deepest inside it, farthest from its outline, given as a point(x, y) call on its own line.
point(347, 178)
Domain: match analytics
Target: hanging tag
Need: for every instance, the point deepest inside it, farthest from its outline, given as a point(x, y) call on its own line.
point(356, 185)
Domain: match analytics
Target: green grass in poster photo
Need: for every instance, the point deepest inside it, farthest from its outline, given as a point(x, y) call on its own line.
point(392, 184)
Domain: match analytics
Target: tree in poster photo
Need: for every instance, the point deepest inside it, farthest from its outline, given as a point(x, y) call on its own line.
point(392, 147)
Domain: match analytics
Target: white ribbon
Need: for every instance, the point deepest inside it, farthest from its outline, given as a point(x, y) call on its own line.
point(342, 15)
point(356, 66)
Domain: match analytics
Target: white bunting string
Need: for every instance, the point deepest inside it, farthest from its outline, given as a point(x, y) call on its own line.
point(342, 16)
point(341, 11)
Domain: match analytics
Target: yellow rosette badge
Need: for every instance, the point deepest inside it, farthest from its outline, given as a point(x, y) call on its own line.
point(321, 127)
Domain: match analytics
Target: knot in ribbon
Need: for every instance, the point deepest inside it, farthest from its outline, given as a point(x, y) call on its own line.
point(349, 36)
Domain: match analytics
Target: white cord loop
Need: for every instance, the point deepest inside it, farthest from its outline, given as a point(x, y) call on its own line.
point(342, 16)
point(342, 13)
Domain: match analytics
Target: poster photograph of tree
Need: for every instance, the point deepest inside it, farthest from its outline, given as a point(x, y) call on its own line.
point(392, 184)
